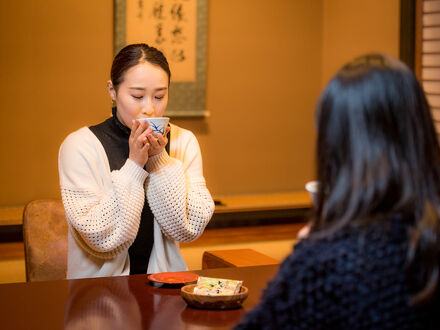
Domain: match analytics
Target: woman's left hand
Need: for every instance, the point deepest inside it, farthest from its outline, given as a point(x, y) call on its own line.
point(157, 143)
point(304, 232)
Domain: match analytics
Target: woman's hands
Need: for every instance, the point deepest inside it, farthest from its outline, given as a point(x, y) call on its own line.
point(143, 143)
point(138, 142)
point(157, 143)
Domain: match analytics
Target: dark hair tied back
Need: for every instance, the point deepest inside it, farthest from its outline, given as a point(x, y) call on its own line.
point(134, 54)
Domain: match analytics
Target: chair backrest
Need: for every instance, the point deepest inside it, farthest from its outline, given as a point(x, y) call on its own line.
point(45, 240)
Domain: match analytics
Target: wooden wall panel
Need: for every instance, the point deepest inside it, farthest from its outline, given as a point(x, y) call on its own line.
point(428, 53)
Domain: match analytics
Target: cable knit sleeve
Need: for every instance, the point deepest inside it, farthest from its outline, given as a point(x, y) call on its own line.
point(103, 209)
point(177, 193)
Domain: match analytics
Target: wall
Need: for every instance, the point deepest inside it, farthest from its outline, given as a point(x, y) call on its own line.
point(264, 66)
point(355, 27)
point(54, 60)
point(262, 75)
point(267, 61)
point(263, 70)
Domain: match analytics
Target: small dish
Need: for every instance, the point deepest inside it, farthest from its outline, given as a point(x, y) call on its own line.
point(173, 278)
point(213, 302)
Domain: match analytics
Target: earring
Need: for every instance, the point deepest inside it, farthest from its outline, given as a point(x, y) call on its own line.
point(113, 103)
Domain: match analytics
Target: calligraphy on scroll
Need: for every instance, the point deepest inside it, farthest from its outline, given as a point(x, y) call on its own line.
point(170, 26)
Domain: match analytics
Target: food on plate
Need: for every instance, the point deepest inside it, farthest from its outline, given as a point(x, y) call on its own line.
point(217, 286)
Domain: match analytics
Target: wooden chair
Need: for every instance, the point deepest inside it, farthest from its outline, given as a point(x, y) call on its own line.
point(45, 240)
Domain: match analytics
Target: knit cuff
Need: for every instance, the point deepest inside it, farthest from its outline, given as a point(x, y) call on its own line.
point(134, 171)
point(157, 161)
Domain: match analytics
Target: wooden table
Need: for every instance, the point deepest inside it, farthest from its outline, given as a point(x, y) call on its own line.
point(123, 302)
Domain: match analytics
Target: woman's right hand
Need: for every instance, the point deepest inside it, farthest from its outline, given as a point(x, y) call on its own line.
point(138, 142)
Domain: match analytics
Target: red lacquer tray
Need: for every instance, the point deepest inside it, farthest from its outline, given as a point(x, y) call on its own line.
point(173, 277)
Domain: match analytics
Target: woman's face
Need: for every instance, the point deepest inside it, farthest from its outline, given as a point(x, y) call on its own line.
point(142, 93)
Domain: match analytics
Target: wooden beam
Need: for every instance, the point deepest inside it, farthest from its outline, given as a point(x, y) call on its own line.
point(246, 234)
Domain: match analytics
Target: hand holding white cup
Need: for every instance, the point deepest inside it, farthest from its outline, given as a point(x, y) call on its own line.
point(157, 138)
point(158, 124)
point(312, 188)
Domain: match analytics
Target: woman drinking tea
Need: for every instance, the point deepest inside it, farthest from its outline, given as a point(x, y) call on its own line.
point(131, 196)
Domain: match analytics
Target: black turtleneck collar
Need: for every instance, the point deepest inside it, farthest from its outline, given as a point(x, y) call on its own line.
point(118, 123)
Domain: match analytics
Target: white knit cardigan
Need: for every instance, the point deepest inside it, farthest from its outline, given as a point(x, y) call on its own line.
point(103, 207)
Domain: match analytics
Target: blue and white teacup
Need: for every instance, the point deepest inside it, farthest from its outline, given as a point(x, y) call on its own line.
point(158, 124)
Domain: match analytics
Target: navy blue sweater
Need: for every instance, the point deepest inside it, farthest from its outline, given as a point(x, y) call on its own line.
point(354, 279)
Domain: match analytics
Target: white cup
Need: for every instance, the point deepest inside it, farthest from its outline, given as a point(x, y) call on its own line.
point(312, 188)
point(158, 124)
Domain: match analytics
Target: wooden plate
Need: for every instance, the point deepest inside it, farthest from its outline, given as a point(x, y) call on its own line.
point(173, 277)
point(213, 302)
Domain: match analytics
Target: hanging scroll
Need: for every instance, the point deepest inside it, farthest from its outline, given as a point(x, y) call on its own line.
point(178, 29)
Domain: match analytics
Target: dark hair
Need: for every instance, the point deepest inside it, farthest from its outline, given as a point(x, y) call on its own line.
point(132, 55)
point(378, 157)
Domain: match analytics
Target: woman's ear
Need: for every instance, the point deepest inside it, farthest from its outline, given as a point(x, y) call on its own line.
point(111, 90)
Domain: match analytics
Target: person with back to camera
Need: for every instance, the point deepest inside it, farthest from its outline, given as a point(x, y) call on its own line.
point(371, 259)
point(130, 196)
